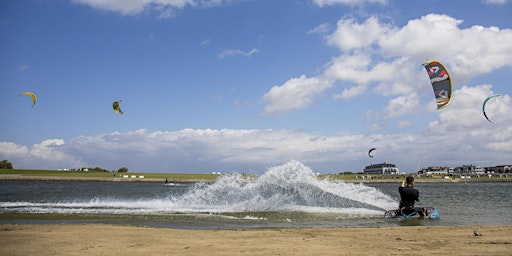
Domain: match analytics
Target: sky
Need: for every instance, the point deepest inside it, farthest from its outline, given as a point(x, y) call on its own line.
point(243, 85)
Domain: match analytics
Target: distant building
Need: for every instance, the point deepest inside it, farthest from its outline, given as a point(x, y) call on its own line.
point(436, 170)
point(500, 169)
point(469, 169)
point(384, 168)
point(466, 170)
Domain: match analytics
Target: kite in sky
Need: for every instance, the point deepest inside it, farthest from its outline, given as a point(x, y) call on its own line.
point(34, 99)
point(485, 102)
point(441, 83)
point(370, 151)
point(116, 107)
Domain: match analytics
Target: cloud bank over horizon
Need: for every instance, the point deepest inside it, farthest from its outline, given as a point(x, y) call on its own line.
point(442, 143)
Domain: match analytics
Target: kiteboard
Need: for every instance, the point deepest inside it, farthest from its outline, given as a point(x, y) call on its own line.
point(432, 212)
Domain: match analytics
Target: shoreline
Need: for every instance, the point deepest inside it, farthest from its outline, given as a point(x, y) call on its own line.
point(163, 180)
point(127, 240)
point(103, 179)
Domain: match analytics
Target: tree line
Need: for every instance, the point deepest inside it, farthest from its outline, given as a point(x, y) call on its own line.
point(5, 164)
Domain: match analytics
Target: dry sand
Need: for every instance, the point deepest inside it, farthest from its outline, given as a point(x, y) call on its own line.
point(105, 239)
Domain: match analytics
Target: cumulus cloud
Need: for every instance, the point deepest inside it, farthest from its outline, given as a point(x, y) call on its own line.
point(351, 92)
point(51, 153)
point(402, 105)
point(352, 35)
point(295, 93)
point(469, 133)
point(9, 149)
point(460, 135)
point(386, 59)
point(466, 108)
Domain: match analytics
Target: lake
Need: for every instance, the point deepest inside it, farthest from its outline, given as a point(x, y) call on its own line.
point(286, 196)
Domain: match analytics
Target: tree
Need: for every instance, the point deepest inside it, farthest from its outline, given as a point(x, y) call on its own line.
point(5, 164)
point(97, 169)
point(123, 169)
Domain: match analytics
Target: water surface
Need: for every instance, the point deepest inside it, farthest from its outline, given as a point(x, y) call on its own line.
point(285, 196)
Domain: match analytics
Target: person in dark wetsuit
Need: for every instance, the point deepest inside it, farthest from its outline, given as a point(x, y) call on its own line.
point(408, 196)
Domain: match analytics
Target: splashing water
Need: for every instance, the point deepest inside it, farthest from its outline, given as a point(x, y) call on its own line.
point(286, 188)
point(282, 192)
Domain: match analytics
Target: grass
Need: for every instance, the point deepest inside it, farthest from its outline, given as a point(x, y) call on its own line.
point(203, 177)
point(57, 173)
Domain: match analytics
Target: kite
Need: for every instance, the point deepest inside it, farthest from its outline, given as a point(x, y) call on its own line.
point(116, 107)
point(371, 149)
point(485, 102)
point(34, 99)
point(441, 83)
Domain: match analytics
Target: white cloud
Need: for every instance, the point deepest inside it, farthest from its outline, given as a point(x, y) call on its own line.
point(495, 1)
point(320, 29)
point(387, 59)
point(465, 115)
point(352, 92)
point(50, 153)
point(234, 52)
point(295, 93)
point(464, 134)
point(351, 35)
point(460, 135)
point(164, 8)
point(322, 3)
point(402, 105)
point(403, 124)
point(467, 52)
point(9, 149)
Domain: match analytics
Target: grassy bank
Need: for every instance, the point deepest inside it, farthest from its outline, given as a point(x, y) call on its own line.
point(105, 175)
point(20, 174)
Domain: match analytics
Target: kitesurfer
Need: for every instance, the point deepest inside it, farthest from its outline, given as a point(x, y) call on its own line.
point(408, 196)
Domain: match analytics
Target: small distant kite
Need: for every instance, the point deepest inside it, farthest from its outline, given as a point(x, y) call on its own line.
point(441, 83)
point(34, 99)
point(370, 151)
point(117, 108)
point(485, 102)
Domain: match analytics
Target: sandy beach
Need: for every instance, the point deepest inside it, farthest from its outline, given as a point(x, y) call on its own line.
point(106, 239)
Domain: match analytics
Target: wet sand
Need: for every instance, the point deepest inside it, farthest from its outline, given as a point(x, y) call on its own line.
point(107, 239)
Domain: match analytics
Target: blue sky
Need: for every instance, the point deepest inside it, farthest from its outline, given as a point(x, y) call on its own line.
point(240, 86)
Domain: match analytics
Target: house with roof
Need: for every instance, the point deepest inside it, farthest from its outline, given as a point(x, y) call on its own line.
point(383, 168)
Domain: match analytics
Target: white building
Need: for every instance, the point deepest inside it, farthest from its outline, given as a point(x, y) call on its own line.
point(469, 169)
point(436, 170)
point(384, 168)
